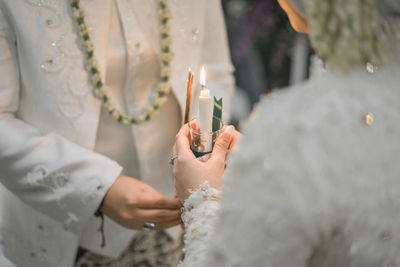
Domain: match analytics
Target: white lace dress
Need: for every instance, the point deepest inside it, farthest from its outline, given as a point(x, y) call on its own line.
point(315, 181)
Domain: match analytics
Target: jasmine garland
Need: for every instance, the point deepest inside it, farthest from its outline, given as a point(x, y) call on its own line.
point(100, 90)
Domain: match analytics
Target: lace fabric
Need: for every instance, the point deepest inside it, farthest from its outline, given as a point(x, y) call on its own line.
point(146, 249)
point(199, 217)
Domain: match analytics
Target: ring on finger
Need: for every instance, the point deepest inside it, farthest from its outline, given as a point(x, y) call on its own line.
point(147, 226)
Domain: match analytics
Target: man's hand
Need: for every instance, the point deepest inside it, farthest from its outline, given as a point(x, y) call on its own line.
point(131, 203)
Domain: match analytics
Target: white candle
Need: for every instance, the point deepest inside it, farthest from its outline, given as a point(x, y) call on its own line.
point(205, 113)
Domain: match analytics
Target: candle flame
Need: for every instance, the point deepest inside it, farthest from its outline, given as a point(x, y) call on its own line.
point(203, 77)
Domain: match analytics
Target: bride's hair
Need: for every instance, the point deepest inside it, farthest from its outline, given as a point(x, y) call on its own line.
point(346, 33)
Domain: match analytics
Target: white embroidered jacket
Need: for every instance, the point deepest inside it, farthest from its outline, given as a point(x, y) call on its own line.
point(51, 180)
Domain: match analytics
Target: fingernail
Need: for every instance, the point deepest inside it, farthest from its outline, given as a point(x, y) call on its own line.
point(230, 129)
point(204, 158)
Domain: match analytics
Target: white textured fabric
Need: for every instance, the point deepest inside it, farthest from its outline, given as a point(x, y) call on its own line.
point(4, 262)
point(312, 184)
point(115, 140)
point(52, 181)
point(199, 217)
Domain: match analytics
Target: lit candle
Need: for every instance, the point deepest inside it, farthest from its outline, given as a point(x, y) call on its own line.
point(205, 113)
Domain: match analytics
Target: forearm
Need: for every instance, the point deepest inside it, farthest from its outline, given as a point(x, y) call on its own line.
point(200, 218)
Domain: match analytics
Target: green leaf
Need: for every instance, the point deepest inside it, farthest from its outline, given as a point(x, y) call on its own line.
point(75, 4)
point(217, 114)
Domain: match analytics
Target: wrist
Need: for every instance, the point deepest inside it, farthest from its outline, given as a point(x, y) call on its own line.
point(99, 210)
point(202, 194)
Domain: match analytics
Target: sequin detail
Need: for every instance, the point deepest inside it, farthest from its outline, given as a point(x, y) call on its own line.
point(371, 67)
point(195, 33)
point(369, 119)
point(385, 236)
point(54, 61)
point(49, 11)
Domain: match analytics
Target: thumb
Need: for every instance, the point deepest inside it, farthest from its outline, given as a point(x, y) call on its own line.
point(222, 144)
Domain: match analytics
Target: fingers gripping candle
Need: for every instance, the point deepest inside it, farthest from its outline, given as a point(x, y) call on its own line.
point(205, 113)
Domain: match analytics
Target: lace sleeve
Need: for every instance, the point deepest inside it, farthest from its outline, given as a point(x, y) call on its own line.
point(199, 217)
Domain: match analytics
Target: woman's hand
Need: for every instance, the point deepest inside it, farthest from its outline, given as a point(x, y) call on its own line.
point(131, 203)
point(190, 173)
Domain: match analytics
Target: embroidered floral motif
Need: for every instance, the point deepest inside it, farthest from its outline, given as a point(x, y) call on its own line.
point(51, 17)
point(57, 55)
point(56, 182)
point(187, 31)
point(58, 51)
point(48, 11)
point(54, 59)
point(77, 82)
point(28, 251)
point(36, 175)
point(72, 218)
point(69, 105)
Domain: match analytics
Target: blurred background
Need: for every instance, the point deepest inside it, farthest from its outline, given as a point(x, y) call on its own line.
point(266, 52)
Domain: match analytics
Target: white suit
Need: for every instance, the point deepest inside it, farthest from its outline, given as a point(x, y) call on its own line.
point(53, 181)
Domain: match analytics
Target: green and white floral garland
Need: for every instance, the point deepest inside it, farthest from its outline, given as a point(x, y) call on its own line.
point(99, 89)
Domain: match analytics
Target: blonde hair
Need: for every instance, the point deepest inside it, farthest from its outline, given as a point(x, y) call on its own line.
point(345, 33)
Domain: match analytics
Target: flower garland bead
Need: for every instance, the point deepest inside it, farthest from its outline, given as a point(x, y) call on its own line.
point(166, 72)
point(91, 65)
